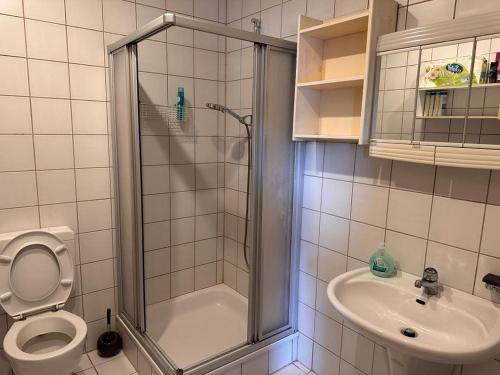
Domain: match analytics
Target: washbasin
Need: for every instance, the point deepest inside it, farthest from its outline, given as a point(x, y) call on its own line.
point(453, 327)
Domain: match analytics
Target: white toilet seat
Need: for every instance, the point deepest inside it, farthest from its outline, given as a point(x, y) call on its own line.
point(50, 322)
point(36, 273)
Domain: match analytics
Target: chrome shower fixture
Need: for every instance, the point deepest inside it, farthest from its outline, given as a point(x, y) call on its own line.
point(245, 120)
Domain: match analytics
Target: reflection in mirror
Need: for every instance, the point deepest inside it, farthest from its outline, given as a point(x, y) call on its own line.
point(395, 99)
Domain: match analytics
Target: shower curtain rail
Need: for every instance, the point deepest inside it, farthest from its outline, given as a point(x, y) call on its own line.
point(172, 19)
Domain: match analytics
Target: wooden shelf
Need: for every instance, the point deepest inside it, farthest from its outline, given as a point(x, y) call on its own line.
point(438, 117)
point(328, 84)
point(444, 88)
point(350, 24)
point(457, 117)
point(311, 137)
point(335, 73)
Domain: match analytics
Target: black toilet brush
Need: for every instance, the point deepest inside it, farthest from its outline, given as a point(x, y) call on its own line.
point(110, 342)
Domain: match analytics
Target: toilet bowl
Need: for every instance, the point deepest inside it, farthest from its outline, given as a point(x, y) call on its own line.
point(36, 278)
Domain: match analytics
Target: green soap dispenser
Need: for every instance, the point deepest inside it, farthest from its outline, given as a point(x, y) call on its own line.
point(381, 263)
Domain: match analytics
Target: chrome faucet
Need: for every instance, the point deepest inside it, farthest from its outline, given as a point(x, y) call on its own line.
point(429, 282)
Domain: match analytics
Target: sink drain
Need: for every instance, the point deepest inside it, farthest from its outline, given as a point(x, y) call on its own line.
point(408, 332)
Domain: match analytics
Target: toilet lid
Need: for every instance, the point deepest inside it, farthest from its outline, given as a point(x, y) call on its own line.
point(36, 274)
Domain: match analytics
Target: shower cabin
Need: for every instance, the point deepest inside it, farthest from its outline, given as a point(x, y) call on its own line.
point(206, 209)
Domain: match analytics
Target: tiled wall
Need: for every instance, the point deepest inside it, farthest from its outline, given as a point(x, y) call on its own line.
point(444, 217)
point(239, 90)
point(182, 161)
point(54, 132)
point(54, 154)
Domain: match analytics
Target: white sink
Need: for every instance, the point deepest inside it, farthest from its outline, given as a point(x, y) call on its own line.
point(453, 327)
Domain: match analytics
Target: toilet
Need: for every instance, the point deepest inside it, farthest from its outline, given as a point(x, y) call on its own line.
point(36, 278)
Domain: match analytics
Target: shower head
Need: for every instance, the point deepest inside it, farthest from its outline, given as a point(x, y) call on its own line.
point(245, 120)
point(217, 107)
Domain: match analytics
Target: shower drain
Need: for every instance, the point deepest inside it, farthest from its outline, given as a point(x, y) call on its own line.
point(409, 332)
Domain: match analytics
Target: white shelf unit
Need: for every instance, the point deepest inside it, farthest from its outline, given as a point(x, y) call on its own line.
point(335, 73)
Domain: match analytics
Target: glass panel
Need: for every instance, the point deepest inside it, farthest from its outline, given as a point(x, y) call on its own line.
point(194, 174)
point(277, 188)
point(445, 74)
point(125, 178)
point(395, 102)
point(483, 125)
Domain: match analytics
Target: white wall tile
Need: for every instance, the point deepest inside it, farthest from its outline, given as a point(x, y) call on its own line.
point(271, 21)
point(57, 186)
point(330, 264)
point(256, 366)
point(87, 14)
point(48, 79)
point(334, 233)
point(12, 40)
point(15, 114)
point(97, 276)
point(96, 246)
point(457, 223)
point(307, 289)
point(418, 14)
point(320, 9)
point(336, 197)
point(324, 362)
point(157, 289)
point(305, 320)
point(89, 117)
point(308, 258)
point(13, 7)
point(87, 82)
point(491, 236)
point(46, 41)
point(408, 251)
point(94, 215)
point(339, 161)
point(53, 151)
point(17, 189)
point(85, 46)
point(413, 176)
point(16, 153)
point(13, 75)
point(54, 215)
point(91, 151)
point(52, 11)
point(370, 170)
point(280, 356)
point(92, 183)
point(95, 304)
point(364, 239)
point(19, 219)
point(369, 204)
point(118, 16)
point(51, 116)
point(182, 282)
point(357, 350)
point(462, 183)
point(157, 262)
point(290, 15)
point(156, 235)
point(409, 212)
point(453, 265)
point(310, 226)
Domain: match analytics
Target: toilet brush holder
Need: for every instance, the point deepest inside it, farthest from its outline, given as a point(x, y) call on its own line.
point(109, 343)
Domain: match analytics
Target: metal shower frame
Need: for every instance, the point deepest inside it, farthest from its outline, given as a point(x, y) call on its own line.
point(136, 325)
